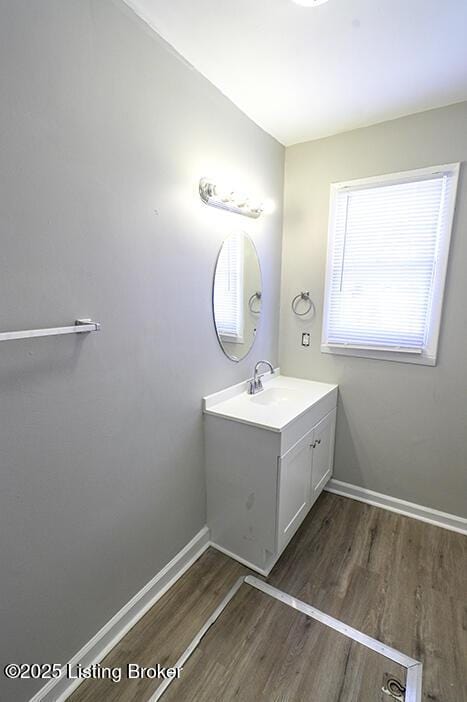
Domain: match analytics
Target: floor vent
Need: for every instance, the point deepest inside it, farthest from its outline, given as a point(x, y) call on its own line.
point(393, 689)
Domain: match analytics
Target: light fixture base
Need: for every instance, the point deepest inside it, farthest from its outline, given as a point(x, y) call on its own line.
point(232, 202)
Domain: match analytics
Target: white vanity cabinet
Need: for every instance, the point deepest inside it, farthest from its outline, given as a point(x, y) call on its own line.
point(266, 466)
point(294, 488)
point(323, 453)
point(302, 473)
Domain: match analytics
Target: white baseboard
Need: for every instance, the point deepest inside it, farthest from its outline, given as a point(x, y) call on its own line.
point(239, 559)
point(394, 504)
point(116, 628)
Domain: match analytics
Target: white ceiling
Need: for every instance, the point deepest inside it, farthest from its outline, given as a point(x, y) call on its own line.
point(303, 73)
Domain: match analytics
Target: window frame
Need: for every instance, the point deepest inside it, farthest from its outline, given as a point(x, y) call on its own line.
point(428, 356)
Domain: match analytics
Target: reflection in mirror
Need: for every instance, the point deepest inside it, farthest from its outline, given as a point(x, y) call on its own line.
point(237, 296)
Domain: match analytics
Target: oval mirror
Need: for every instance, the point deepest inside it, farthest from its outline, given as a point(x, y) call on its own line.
point(236, 296)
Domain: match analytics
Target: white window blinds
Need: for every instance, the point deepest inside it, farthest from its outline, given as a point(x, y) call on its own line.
point(387, 237)
point(228, 290)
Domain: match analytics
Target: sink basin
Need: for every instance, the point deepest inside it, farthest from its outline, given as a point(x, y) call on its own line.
point(275, 396)
point(280, 403)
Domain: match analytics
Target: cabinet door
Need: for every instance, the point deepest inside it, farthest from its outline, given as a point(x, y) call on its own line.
point(294, 488)
point(323, 453)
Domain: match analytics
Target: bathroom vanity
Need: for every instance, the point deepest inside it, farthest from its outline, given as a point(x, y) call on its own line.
point(268, 457)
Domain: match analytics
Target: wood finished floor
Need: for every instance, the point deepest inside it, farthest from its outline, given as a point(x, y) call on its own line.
point(399, 580)
point(261, 649)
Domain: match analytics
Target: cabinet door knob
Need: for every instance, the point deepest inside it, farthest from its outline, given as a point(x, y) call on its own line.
point(313, 445)
point(318, 441)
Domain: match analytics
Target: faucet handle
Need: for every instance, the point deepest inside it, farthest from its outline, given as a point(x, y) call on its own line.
point(255, 385)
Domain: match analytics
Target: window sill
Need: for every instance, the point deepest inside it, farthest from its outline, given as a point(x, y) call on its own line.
point(231, 339)
point(423, 359)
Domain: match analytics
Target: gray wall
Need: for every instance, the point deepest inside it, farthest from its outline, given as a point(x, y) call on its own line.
point(104, 134)
point(402, 429)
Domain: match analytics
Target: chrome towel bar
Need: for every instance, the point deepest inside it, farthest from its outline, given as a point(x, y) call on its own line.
point(80, 326)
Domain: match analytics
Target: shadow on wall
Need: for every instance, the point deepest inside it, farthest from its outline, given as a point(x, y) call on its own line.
point(346, 453)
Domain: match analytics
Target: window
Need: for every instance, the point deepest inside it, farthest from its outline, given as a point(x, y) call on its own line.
point(228, 291)
point(388, 248)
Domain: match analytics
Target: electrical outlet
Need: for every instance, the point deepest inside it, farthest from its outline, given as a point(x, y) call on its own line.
point(306, 339)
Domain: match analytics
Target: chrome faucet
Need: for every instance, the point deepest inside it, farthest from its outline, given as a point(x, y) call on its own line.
point(256, 385)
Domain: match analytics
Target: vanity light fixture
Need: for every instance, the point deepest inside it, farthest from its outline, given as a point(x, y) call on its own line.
point(214, 195)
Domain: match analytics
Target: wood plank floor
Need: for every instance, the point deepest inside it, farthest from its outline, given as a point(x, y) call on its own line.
point(261, 649)
point(402, 581)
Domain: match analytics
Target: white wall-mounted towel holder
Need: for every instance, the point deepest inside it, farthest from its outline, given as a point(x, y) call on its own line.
point(309, 304)
point(80, 326)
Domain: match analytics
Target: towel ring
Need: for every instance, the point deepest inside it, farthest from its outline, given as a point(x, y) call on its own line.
point(302, 296)
point(256, 296)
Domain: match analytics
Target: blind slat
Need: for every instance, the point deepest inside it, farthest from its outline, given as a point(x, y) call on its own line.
point(228, 289)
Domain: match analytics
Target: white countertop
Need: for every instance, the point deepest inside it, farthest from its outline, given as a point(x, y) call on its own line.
point(281, 402)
